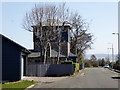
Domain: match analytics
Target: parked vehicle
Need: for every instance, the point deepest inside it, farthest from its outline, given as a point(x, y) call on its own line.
point(106, 66)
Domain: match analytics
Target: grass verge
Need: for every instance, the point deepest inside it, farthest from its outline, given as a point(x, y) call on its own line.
point(18, 84)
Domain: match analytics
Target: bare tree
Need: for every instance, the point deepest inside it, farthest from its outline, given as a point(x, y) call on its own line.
point(53, 17)
point(93, 58)
point(39, 17)
point(81, 40)
point(50, 16)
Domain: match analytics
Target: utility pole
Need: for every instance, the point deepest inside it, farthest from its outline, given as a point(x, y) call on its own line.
point(108, 54)
point(112, 51)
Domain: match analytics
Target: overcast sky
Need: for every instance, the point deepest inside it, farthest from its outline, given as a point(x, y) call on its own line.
point(102, 16)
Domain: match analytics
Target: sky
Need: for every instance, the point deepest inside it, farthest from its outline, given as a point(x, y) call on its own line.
point(102, 17)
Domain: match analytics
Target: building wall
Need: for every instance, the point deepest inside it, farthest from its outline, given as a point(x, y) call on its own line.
point(11, 56)
point(0, 58)
point(64, 47)
point(65, 37)
point(68, 48)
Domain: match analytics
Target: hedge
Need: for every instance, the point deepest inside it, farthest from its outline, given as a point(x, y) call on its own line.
point(66, 62)
point(76, 67)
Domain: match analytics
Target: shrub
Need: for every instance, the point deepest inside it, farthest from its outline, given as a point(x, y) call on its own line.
point(87, 63)
point(76, 67)
point(116, 65)
point(95, 64)
point(66, 62)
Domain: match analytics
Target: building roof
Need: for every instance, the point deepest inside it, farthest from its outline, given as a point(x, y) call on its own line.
point(53, 54)
point(23, 49)
point(34, 54)
point(52, 21)
point(37, 54)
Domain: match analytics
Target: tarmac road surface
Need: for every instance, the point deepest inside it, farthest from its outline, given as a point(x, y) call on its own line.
point(88, 78)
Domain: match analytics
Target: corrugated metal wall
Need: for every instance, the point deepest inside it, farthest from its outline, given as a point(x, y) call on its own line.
point(37, 69)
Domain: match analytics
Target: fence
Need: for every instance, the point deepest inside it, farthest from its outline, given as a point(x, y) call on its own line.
point(36, 69)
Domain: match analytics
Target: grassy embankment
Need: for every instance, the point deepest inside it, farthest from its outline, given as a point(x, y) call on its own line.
point(18, 84)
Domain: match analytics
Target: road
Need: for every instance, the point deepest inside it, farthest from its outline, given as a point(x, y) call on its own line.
point(88, 78)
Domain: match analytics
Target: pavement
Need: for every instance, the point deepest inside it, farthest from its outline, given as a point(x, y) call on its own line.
point(48, 79)
point(88, 78)
point(118, 71)
point(43, 79)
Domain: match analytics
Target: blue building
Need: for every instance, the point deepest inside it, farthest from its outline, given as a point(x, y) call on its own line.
point(14, 60)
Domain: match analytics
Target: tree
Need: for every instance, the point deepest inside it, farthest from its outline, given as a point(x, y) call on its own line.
point(94, 61)
point(87, 63)
point(45, 15)
point(103, 62)
point(116, 65)
point(100, 62)
point(93, 58)
point(54, 16)
point(81, 40)
point(95, 64)
point(107, 62)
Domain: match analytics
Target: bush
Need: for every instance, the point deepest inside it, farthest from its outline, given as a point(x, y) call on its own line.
point(66, 62)
point(95, 64)
point(87, 63)
point(76, 67)
point(116, 65)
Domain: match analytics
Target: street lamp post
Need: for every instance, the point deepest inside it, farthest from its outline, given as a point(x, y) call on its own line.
point(118, 45)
